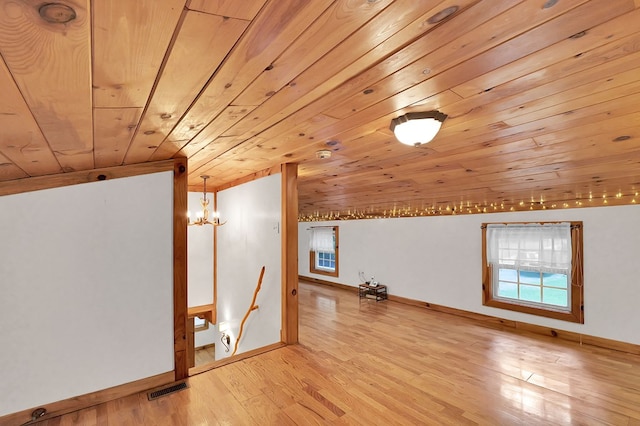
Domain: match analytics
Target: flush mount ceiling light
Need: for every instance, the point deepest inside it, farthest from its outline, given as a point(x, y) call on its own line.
point(416, 128)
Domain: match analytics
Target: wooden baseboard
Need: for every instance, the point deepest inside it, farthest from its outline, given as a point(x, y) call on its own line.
point(59, 408)
point(328, 283)
point(501, 323)
point(486, 320)
point(215, 364)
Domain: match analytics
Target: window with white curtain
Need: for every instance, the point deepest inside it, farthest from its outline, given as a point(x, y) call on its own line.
point(534, 268)
point(323, 250)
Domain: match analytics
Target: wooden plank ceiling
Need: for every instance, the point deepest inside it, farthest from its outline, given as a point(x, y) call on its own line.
point(542, 97)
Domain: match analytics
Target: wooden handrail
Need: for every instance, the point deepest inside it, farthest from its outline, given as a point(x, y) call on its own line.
point(204, 312)
point(253, 307)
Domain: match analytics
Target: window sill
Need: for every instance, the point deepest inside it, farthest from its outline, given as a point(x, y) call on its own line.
point(321, 272)
point(548, 313)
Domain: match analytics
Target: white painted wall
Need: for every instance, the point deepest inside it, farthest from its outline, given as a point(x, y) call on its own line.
point(207, 337)
point(249, 240)
point(439, 260)
point(199, 255)
point(86, 279)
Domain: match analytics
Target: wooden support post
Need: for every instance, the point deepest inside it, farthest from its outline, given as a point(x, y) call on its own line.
point(180, 268)
point(289, 253)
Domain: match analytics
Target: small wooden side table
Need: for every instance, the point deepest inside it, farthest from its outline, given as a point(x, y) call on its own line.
point(374, 292)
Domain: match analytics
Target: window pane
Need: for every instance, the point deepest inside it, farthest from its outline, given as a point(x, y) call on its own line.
point(554, 280)
point(531, 265)
point(530, 293)
point(325, 260)
point(555, 296)
point(508, 275)
point(508, 290)
point(527, 277)
point(322, 260)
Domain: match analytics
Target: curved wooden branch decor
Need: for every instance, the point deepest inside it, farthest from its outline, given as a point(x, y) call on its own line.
point(253, 307)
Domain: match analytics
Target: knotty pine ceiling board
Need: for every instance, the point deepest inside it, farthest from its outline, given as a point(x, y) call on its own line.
point(474, 129)
point(245, 10)
point(201, 45)
point(580, 99)
point(51, 65)
point(114, 128)
point(368, 45)
point(575, 70)
point(20, 137)
point(337, 22)
point(540, 97)
point(129, 43)
point(599, 78)
point(230, 116)
point(339, 114)
point(441, 51)
point(575, 50)
point(273, 29)
point(297, 134)
point(9, 171)
point(211, 152)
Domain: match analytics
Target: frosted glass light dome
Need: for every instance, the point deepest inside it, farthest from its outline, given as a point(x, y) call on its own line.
point(416, 128)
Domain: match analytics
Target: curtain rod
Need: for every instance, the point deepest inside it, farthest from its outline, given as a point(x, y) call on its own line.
point(572, 225)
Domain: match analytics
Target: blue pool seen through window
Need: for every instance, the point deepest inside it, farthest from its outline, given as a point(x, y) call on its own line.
point(535, 287)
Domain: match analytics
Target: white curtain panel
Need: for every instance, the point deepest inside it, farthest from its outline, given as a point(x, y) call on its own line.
point(322, 240)
point(531, 246)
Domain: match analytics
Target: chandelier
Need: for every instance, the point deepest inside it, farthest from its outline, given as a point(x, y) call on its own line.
point(202, 217)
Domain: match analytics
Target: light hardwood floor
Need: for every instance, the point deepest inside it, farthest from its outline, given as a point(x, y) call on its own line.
point(368, 363)
point(205, 355)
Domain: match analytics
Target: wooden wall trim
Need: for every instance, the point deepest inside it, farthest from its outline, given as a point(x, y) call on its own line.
point(289, 258)
point(87, 400)
point(72, 178)
point(501, 323)
point(181, 360)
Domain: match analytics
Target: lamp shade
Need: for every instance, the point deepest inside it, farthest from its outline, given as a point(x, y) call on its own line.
point(416, 128)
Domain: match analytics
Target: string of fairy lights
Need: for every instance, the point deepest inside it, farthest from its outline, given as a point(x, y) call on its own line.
point(468, 207)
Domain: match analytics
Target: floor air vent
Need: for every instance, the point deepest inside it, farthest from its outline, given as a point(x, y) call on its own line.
point(166, 391)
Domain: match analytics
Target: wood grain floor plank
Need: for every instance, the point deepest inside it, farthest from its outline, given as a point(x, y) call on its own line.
point(385, 363)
